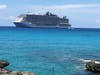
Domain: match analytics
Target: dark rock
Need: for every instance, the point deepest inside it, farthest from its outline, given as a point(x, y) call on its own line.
point(7, 72)
point(22, 73)
point(16, 73)
point(4, 71)
point(3, 63)
point(93, 65)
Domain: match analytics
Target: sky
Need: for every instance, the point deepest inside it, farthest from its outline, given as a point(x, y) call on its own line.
point(81, 13)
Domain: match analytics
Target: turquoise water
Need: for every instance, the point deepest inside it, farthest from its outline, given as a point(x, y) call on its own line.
point(43, 50)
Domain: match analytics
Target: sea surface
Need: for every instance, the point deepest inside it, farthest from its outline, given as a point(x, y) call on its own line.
point(49, 51)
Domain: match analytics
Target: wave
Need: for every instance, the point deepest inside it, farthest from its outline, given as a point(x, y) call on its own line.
point(85, 60)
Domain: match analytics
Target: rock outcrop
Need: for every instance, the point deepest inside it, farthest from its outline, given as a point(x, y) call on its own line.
point(93, 65)
point(21, 73)
point(3, 63)
point(4, 71)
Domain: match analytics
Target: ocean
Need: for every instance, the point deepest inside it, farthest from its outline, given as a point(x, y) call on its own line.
point(49, 51)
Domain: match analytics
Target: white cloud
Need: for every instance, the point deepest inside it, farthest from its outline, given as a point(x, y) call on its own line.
point(70, 6)
point(3, 6)
point(11, 17)
point(98, 21)
point(67, 6)
point(66, 9)
point(8, 18)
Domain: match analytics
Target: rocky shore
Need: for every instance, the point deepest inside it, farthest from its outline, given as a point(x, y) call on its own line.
point(93, 65)
point(4, 71)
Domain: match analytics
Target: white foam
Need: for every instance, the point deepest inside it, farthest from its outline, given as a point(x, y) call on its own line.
point(84, 60)
point(97, 62)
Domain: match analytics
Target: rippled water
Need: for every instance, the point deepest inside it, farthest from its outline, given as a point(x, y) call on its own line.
point(49, 51)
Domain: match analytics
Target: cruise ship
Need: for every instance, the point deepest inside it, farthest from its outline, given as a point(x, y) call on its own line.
point(47, 20)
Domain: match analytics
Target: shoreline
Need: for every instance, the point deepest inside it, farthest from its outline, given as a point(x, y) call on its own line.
point(5, 71)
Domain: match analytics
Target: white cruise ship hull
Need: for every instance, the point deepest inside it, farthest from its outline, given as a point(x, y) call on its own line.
point(26, 25)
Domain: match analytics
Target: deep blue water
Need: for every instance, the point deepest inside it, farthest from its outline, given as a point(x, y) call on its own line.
point(40, 50)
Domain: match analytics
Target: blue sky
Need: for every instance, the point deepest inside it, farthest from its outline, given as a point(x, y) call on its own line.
point(81, 13)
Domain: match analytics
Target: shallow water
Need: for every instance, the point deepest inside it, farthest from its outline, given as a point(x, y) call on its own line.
point(46, 51)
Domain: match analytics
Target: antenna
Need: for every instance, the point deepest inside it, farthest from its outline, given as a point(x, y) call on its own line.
point(29, 13)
